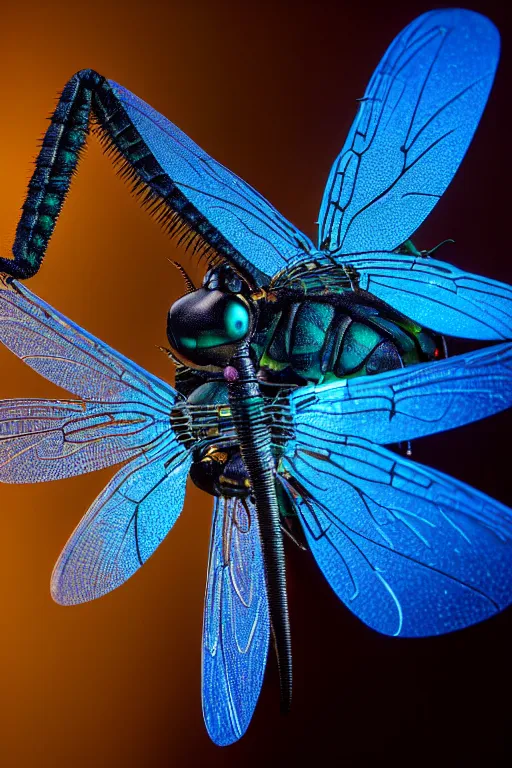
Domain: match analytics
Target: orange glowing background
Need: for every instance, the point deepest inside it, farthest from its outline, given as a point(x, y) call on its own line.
point(269, 90)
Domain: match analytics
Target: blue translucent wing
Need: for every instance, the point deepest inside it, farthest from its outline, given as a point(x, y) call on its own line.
point(437, 295)
point(409, 550)
point(51, 439)
point(236, 621)
point(124, 526)
point(414, 125)
point(70, 357)
point(125, 409)
point(408, 403)
point(235, 219)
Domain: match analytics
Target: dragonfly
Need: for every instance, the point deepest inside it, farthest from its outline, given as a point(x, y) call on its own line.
point(296, 366)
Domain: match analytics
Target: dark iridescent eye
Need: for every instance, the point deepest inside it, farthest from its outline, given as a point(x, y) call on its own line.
point(204, 327)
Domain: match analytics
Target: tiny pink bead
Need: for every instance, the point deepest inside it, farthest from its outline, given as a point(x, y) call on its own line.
point(230, 373)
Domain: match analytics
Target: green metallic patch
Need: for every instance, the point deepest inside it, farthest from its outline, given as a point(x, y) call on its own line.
point(68, 157)
point(311, 323)
point(51, 201)
point(45, 223)
point(309, 330)
point(358, 343)
point(212, 392)
point(76, 137)
point(38, 241)
point(271, 364)
point(266, 360)
point(205, 340)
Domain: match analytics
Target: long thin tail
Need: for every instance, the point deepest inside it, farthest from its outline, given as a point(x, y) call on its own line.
point(253, 432)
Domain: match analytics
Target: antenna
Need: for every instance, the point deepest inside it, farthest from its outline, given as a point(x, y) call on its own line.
point(188, 282)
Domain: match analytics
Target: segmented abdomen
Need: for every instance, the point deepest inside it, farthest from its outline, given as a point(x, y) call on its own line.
point(317, 340)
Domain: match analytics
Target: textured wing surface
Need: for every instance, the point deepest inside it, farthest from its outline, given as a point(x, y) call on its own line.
point(409, 550)
point(125, 524)
point(437, 295)
point(70, 357)
point(261, 238)
point(414, 125)
point(236, 621)
point(51, 439)
point(408, 403)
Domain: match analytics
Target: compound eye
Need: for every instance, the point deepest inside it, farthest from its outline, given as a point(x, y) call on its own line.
point(236, 320)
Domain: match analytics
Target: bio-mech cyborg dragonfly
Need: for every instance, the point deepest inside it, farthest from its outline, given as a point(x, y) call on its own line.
point(296, 364)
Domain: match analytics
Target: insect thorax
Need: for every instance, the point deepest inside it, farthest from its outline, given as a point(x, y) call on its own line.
point(328, 328)
point(314, 325)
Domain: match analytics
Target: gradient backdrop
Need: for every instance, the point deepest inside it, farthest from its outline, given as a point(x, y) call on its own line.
point(269, 90)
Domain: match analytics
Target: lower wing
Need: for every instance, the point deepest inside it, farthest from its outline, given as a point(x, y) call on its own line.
point(124, 525)
point(236, 621)
point(409, 550)
point(407, 403)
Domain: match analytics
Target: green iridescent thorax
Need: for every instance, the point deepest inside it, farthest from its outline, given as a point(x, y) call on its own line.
point(317, 339)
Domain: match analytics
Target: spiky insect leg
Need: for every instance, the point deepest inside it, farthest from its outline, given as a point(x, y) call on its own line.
point(89, 95)
point(253, 432)
point(55, 166)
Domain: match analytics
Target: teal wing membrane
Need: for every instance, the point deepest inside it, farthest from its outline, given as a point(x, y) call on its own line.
point(413, 128)
point(262, 239)
point(437, 295)
point(414, 125)
point(123, 526)
point(409, 550)
point(124, 414)
point(236, 624)
point(408, 403)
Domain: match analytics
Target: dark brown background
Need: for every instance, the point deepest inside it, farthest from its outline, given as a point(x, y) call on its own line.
point(270, 91)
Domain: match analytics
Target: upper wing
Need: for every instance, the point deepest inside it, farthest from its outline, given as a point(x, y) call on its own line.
point(414, 125)
point(236, 220)
point(408, 403)
point(236, 621)
point(409, 550)
point(125, 524)
point(52, 439)
point(437, 295)
point(70, 357)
